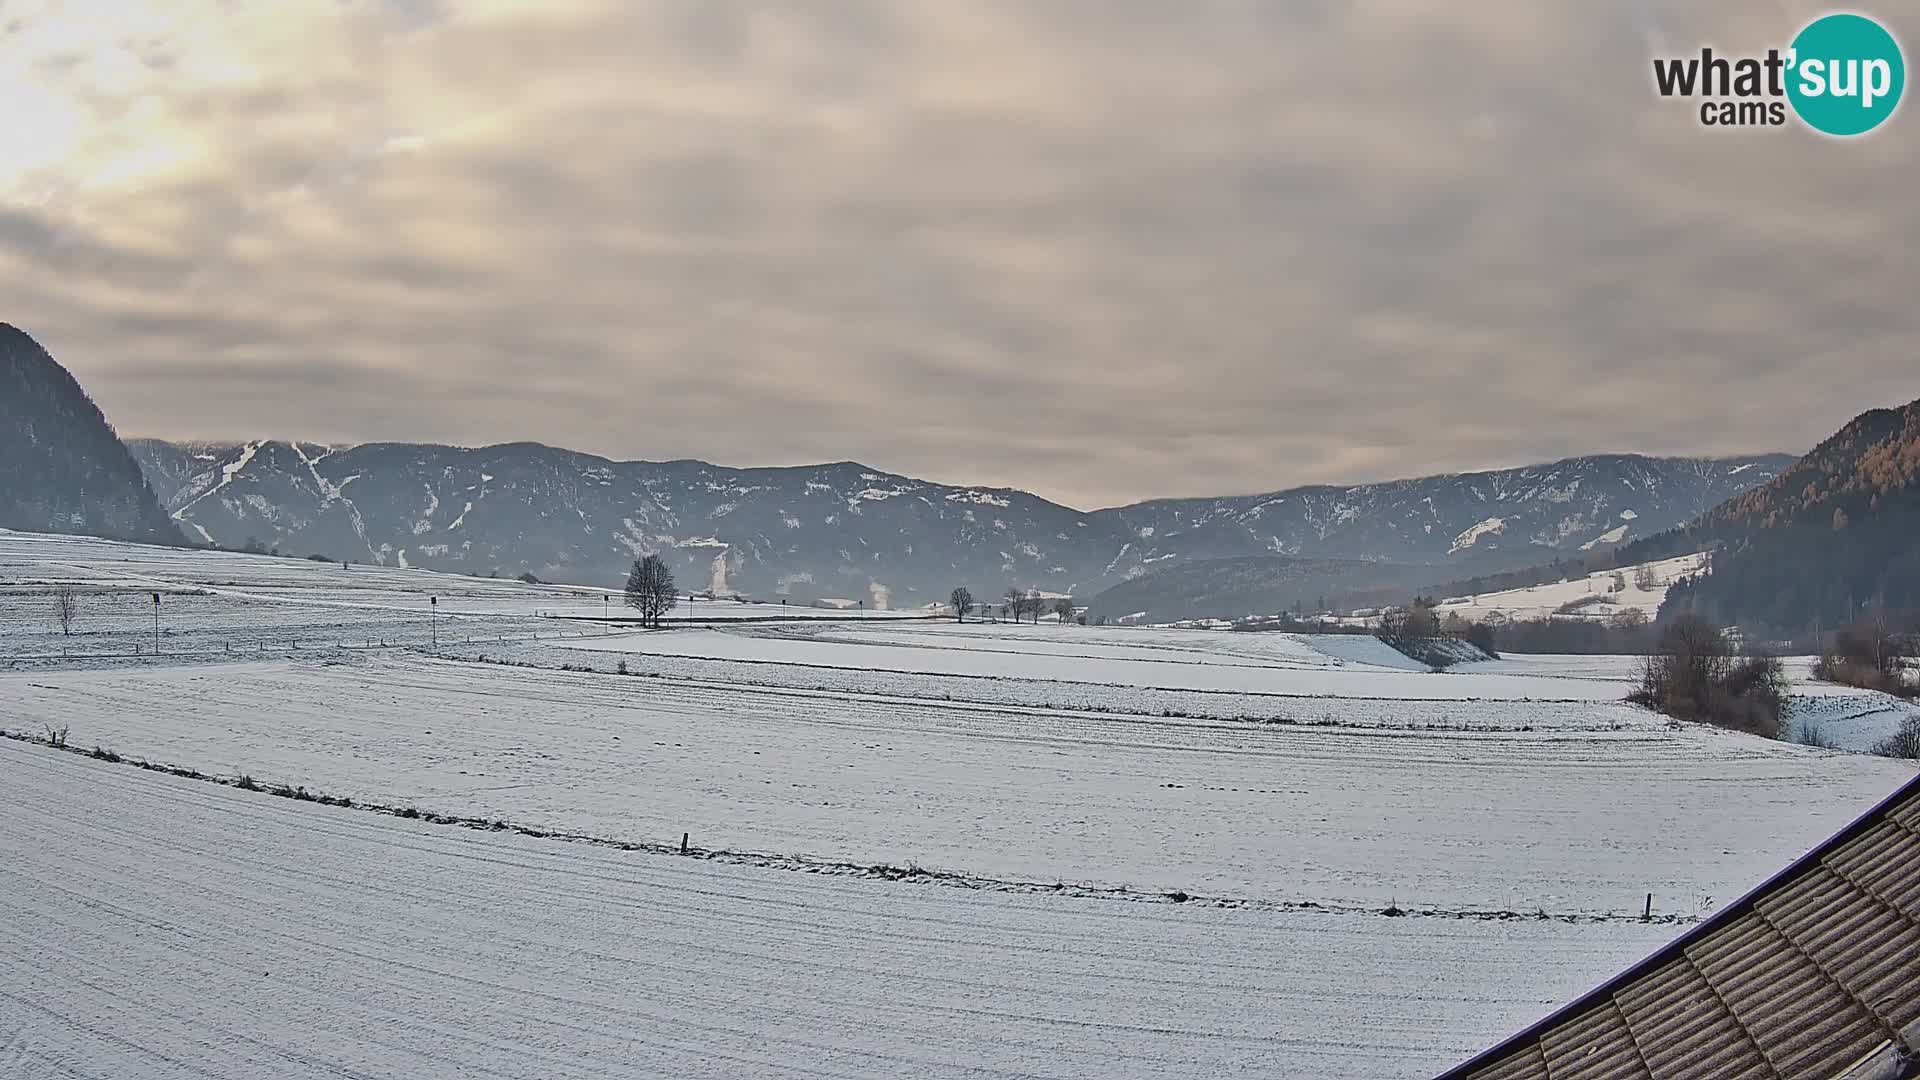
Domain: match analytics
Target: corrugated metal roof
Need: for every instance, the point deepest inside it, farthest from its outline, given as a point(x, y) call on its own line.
point(1815, 975)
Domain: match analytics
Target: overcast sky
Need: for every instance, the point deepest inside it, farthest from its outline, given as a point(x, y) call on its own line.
point(1098, 249)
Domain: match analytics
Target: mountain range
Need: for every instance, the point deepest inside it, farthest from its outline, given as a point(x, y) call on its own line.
point(836, 531)
point(848, 531)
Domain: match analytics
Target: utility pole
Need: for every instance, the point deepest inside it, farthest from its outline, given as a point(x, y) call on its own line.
point(606, 614)
point(156, 624)
point(433, 620)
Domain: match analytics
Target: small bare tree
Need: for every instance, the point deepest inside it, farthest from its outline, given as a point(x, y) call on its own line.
point(1016, 603)
point(66, 604)
point(1645, 579)
point(962, 600)
point(1063, 609)
point(1886, 659)
point(1904, 743)
point(650, 589)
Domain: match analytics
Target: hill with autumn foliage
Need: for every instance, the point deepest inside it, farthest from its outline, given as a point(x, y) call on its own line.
point(1834, 535)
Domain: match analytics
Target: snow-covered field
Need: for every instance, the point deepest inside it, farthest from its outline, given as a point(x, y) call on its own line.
point(164, 928)
point(1845, 717)
point(1292, 705)
point(216, 602)
point(1592, 592)
point(1059, 783)
point(1848, 718)
point(1275, 664)
point(1568, 822)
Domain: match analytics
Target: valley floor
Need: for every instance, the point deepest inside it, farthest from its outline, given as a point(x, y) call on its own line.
point(1567, 821)
point(917, 849)
point(173, 928)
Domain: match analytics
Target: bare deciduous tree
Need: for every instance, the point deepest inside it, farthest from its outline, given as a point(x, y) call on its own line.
point(1886, 659)
point(66, 604)
point(1063, 608)
point(1629, 620)
point(1904, 743)
point(962, 600)
point(1695, 652)
point(1407, 625)
point(1016, 603)
point(1645, 579)
point(650, 589)
point(1693, 674)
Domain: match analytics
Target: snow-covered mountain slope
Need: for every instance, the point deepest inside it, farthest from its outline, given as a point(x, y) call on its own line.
point(1578, 504)
point(1254, 585)
point(826, 531)
point(848, 531)
point(1596, 595)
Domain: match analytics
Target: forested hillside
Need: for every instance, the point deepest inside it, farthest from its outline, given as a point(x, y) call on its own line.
point(1835, 535)
point(62, 468)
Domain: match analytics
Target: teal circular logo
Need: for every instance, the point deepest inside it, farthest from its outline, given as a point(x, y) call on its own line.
point(1846, 74)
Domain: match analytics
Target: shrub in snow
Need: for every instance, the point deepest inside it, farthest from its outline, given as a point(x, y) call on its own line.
point(1693, 675)
point(1904, 743)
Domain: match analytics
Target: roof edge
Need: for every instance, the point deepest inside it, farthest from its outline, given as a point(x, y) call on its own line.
point(1605, 991)
point(1895, 1059)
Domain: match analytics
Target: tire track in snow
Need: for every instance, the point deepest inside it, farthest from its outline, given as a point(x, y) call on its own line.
point(996, 797)
point(400, 950)
point(911, 874)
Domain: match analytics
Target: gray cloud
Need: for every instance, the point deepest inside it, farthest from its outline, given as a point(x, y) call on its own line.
point(1099, 250)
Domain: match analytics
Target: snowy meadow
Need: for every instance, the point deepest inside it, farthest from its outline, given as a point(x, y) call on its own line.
point(818, 844)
